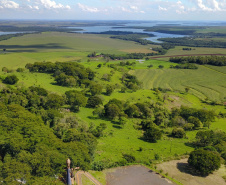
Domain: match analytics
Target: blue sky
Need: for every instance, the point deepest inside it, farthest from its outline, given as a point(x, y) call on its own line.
point(114, 9)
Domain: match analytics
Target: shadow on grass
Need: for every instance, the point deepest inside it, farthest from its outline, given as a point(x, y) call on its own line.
point(145, 140)
point(186, 168)
point(93, 117)
point(117, 126)
point(191, 144)
point(38, 46)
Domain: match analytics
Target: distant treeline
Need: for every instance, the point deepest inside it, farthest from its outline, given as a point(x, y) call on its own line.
point(6, 37)
point(191, 42)
point(139, 38)
point(129, 55)
point(179, 32)
point(35, 28)
point(211, 60)
point(184, 66)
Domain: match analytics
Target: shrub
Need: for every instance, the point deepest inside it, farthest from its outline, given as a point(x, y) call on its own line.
point(204, 161)
point(129, 158)
point(188, 126)
point(178, 133)
point(20, 69)
point(152, 134)
point(157, 157)
point(98, 166)
point(12, 79)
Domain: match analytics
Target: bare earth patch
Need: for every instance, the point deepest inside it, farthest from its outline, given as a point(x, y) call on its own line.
point(180, 170)
point(135, 175)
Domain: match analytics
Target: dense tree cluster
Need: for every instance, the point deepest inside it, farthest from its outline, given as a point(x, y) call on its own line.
point(35, 99)
point(202, 60)
point(65, 73)
point(131, 82)
point(29, 150)
point(12, 79)
point(191, 118)
point(212, 146)
point(204, 161)
point(75, 99)
point(185, 66)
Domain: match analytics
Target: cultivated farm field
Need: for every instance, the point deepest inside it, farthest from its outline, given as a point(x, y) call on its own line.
point(204, 82)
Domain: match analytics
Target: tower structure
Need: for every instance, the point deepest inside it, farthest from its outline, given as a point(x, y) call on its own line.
point(68, 172)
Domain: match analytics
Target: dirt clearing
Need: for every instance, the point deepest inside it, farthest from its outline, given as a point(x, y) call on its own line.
point(135, 175)
point(179, 170)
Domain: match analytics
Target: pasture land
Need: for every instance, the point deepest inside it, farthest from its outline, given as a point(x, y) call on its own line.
point(215, 29)
point(70, 42)
point(118, 140)
point(178, 50)
point(204, 82)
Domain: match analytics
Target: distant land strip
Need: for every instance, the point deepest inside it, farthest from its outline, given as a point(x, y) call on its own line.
point(163, 56)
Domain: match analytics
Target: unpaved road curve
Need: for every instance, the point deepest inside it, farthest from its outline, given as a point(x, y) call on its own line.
point(79, 174)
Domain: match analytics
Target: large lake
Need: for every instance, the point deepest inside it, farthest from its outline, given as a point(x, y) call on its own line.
point(104, 26)
point(98, 29)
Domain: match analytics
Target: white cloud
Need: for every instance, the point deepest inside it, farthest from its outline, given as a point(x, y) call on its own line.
point(87, 8)
point(210, 5)
point(9, 4)
point(33, 7)
point(134, 7)
point(53, 5)
point(125, 9)
point(162, 9)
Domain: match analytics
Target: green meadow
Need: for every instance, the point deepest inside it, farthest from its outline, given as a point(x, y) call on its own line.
point(207, 82)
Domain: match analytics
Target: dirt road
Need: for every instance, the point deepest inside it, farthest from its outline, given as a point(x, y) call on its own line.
point(78, 177)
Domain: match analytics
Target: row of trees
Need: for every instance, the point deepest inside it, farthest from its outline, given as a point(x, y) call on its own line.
point(139, 38)
point(211, 60)
point(185, 66)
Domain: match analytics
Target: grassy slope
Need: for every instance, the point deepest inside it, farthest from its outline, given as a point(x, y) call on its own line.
point(204, 82)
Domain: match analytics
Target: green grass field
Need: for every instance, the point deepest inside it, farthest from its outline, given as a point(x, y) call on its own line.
point(69, 42)
point(204, 82)
point(215, 29)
